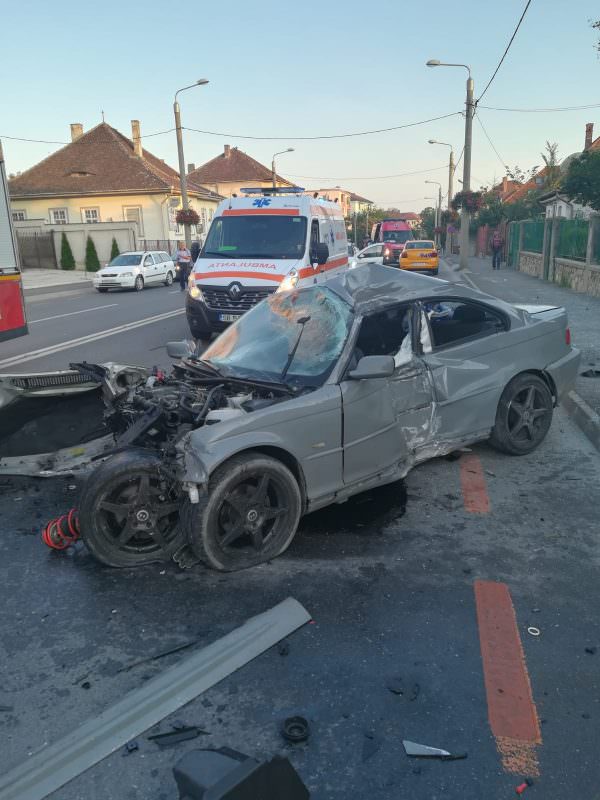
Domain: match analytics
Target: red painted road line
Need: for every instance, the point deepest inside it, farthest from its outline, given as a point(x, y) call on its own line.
point(472, 480)
point(511, 710)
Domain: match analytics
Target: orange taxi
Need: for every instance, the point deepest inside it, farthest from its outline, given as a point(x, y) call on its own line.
point(420, 255)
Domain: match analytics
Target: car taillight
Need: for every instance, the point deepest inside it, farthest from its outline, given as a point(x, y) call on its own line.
point(433, 254)
point(568, 337)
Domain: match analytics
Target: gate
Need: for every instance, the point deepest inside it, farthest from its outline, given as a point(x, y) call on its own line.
point(36, 250)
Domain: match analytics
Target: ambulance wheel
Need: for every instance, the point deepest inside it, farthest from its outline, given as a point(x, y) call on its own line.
point(129, 511)
point(102, 291)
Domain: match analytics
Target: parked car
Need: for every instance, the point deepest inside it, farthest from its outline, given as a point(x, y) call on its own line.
point(314, 395)
point(135, 270)
point(373, 253)
point(420, 255)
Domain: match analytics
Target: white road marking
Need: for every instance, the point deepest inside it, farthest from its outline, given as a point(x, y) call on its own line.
point(71, 313)
point(175, 291)
point(56, 348)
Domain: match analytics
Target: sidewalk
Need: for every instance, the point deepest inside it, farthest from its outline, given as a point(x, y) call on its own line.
point(44, 278)
point(584, 322)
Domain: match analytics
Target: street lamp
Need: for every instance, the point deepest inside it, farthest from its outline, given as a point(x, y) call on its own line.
point(470, 110)
point(450, 168)
point(273, 173)
point(182, 176)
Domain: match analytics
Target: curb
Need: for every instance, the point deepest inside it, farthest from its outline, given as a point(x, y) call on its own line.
point(56, 287)
point(583, 416)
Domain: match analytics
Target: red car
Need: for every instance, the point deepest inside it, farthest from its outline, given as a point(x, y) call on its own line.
point(394, 233)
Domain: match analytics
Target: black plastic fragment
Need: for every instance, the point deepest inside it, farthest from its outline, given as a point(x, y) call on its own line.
point(176, 736)
point(295, 729)
point(131, 747)
point(591, 650)
point(228, 775)
point(283, 648)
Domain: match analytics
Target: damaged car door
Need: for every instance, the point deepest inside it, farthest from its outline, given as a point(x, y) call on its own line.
point(385, 419)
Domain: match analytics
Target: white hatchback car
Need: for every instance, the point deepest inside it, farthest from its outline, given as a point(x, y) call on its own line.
point(135, 270)
point(372, 253)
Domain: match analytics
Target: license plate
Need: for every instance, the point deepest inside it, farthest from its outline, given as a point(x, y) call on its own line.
point(229, 317)
point(419, 264)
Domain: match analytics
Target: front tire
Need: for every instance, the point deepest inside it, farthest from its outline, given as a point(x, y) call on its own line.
point(129, 511)
point(169, 279)
point(139, 284)
point(524, 415)
point(250, 515)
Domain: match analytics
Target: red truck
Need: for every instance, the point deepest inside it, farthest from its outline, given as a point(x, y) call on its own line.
point(394, 233)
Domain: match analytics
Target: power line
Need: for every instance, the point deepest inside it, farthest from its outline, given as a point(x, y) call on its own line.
point(328, 136)
point(367, 177)
point(38, 141)
point(506, 51)
point(542, 110)
point(500, 159)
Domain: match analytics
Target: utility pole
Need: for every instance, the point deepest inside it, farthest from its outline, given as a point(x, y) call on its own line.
point(438, 210)
point(182, 176)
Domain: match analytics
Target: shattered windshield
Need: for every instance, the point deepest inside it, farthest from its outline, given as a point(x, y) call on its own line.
point(257, 236)
point(303, 330)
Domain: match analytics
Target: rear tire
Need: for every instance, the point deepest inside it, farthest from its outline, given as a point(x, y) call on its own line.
point(129, 511)
point(524, 415)
point(169, 279)
point(250, 515)
point(139, 284)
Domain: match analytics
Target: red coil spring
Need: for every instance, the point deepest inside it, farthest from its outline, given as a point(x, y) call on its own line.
point(63, 531)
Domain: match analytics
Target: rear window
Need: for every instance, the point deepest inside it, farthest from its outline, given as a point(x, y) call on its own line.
point(420, 246)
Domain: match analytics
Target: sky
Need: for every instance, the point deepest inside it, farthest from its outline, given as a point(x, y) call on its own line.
point(305, 69)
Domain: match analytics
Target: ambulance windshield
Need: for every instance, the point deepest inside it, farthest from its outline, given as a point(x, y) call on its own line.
point(256, 236)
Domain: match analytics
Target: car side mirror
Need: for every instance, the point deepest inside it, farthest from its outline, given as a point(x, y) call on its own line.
point(178, 350)
point(373, 367)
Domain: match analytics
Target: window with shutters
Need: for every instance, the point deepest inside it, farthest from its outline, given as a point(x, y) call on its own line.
point(90, 215)
point(19, 216)
point(134, 214)
point(59, 216)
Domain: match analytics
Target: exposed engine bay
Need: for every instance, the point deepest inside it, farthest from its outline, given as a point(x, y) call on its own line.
point(56, 423)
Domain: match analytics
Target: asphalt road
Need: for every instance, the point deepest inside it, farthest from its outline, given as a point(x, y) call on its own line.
point(392, 581)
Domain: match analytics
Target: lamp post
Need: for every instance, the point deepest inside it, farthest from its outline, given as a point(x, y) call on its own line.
point(450, 190)
point(438, 213)
point(273, 173)
point(469, 112)
point(182, 176)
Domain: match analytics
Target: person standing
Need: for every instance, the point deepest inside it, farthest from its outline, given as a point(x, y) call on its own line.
point(183, 261)
point(195, 250)
point(496, 249)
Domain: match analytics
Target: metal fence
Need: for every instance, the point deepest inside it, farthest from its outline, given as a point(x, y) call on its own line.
point(572, 239)
point(533, 236)
point(158, 244)
point(36, 249)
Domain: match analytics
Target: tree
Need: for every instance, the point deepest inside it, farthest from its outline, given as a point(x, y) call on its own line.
point(66, 254)
point(114, 249)
point(520, 176)
point(491, 212)
point(428, 222)
point(582, 181)
point(550, 157)
point(596, 26)
point(92, 263)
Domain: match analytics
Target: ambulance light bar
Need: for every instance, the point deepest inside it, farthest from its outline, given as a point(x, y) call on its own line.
point(270, 190)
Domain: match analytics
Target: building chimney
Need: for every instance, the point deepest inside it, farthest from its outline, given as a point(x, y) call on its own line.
point(191, 168)
point(589, 135)
point(504, 185)
point(136, 136)
point(76, 131)
point(227, 151)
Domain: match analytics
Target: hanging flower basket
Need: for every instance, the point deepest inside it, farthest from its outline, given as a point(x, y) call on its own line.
point(470, 201)
point(189, 217)
point(438, 230)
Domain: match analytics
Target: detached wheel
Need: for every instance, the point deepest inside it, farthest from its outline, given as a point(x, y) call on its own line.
point(169, 279)
point(250, 515)
point(129, 511)
point(523, 417)
point(139, 283)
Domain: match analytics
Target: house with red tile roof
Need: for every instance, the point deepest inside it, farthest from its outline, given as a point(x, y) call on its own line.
point(102, 176)
point(233, 170)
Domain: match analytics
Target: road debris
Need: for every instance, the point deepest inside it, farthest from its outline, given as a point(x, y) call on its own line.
point(156, 656)
point(295, 729)
point(176, 736)
point(62, 531)
point(283, 648)
point(130, 747)
point(424, 751)
point(227, 773)
point(521, 788)
point(591, 650)
point(533, 631)
point(371, 745)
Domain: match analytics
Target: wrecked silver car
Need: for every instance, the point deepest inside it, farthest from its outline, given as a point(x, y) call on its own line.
point(314, 395)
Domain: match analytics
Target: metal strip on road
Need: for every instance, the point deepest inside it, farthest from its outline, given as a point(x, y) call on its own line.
point(71, 313)
point(60, 762)
point(56, 348)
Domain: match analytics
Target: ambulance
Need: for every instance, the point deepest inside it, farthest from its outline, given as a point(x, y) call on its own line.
point(268, 240)
point(12, 307)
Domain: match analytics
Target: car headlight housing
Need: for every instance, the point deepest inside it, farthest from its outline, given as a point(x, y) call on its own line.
point(290, 281)
point(194, 292)
point(127, 274)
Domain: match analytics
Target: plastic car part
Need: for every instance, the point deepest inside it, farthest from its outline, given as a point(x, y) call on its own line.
point(424, 751)
point(295, 729)
point(170, 738)
point(228, 775)
point(62, 760)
